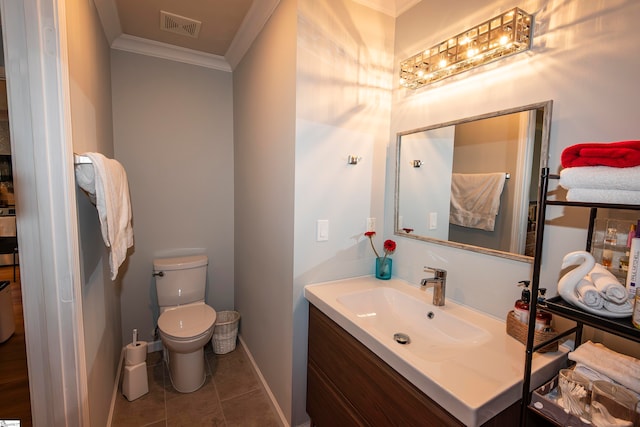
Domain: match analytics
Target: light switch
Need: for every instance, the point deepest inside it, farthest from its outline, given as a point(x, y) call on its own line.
point(322, 230)
point(433, 220)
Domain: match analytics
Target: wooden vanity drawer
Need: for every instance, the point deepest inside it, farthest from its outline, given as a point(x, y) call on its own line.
point(373, 392)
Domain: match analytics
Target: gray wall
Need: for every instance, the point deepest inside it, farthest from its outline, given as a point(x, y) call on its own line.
point(264, 123)
point(90, 90)
point(482, 147)
point(578, 60)
point(344, 60)
point(305, 98)
point(173, 134)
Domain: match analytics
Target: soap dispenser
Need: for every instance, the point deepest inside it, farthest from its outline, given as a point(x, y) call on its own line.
point(521, 308)
point(543, 319)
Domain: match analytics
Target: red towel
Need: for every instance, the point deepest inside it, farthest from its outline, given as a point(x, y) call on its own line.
point(623, 154)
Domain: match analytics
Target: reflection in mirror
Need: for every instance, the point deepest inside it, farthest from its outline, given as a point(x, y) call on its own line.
point(473, 183)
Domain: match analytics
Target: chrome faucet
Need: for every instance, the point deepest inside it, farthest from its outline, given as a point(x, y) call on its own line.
point(439, 283)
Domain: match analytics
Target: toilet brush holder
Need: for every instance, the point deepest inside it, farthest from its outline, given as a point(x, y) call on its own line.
point(135, 383)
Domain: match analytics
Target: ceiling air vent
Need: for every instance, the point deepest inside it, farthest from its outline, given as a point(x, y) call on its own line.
point(179, 24)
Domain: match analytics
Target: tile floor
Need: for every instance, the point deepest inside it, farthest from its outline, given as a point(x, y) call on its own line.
point(231, 396)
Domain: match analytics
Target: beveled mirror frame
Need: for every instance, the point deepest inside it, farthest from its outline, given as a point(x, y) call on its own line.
point(545, 106)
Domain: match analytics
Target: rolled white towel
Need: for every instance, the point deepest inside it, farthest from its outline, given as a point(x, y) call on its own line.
point(624, 308)
point(619, 367)
point(608, 285)
point(589, 294)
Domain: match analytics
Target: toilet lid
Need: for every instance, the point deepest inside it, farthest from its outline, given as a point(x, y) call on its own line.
point(188, 321)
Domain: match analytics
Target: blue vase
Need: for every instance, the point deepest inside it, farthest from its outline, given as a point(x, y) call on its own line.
point(383, 268)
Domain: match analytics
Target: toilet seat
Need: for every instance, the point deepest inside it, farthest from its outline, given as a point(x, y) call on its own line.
point(187, 322)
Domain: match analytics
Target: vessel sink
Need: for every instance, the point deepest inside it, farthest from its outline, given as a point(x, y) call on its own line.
point(433, 333)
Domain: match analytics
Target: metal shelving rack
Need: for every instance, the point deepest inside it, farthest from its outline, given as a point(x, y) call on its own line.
point(556, 305)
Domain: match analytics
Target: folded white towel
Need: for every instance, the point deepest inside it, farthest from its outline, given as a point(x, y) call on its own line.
point(596, 195)
point(608, 284)
point(590, 373)
point(601, 177)
point(594, 375)
point(475, 199)
point(589, 294)
point(105, 180)
point(621, 368)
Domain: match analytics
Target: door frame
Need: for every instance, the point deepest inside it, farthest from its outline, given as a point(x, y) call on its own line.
point(36, 66)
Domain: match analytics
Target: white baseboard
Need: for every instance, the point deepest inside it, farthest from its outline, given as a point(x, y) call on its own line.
point(272, 398)
point(114, 395)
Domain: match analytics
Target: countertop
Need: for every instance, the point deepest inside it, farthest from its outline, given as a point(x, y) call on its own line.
point(472, 385)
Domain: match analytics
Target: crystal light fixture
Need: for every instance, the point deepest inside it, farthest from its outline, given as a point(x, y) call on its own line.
point(499, 37)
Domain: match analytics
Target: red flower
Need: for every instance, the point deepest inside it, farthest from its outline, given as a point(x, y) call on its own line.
point(389, 245)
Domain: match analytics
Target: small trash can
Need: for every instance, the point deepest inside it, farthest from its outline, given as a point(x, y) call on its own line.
point(225, 332)
point(7, 321)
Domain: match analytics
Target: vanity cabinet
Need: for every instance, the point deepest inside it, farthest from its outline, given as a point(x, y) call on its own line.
point(556, 305)
point(349, 385)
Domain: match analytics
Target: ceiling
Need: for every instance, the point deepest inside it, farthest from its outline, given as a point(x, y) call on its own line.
point(226, 27)
point(220, 20)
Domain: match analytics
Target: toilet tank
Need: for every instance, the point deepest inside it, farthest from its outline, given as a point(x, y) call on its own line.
point(180, 280)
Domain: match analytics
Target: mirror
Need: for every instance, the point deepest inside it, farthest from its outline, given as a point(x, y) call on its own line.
point(473, 183)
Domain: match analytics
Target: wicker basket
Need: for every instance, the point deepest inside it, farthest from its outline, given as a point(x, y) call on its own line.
point(225, 332)
point(518, 330)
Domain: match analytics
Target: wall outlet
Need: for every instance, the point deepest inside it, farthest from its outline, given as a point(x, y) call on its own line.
point(371, 224)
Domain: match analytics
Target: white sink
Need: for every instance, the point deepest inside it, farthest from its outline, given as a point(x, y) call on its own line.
point(461, 358)
point(434, 334)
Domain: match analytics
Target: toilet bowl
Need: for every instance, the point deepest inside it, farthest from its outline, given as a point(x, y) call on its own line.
point(184, 331)
point(186, 322)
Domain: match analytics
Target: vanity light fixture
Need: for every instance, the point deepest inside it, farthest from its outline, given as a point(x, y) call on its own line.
point(499, 37)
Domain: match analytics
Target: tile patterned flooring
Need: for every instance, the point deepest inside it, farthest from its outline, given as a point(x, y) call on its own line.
point(231, 396)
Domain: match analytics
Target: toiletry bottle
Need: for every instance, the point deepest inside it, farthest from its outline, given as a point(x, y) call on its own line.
point(543, 319)
point(635, 318)
point(521, 308)
point(610, 241)
point(634, 265)
point(624, 260)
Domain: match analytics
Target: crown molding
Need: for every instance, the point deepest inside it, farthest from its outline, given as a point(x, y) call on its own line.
point(391, 8)
point(166, 51)
point(403, 5)
point(257, 16)
point(108, 15)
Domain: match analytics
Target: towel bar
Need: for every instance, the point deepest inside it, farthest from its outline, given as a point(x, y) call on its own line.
point(81, 160)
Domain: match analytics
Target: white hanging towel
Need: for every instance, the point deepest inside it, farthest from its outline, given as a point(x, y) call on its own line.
point(105, 181)
point(475, 199)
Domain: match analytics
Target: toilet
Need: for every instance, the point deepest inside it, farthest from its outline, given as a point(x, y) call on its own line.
point(186, 323)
